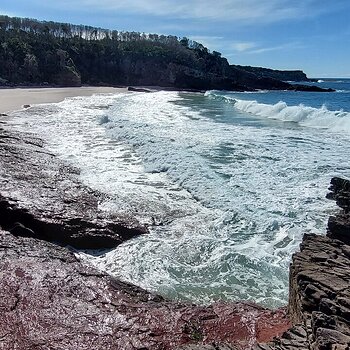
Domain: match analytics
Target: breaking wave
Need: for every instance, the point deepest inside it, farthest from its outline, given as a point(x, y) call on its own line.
point(322, 118)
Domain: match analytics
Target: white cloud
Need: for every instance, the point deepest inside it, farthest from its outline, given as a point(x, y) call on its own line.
point(287, 46)
point(211, 42)
point(243, 46)
point(227, 10)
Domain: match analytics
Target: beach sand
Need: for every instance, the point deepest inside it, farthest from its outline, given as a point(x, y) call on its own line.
point(14, 99)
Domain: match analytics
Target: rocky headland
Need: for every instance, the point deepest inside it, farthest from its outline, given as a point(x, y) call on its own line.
point(62, 54)
point(51, 300)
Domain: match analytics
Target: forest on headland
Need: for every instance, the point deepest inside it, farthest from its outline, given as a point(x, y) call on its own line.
point(36, 52)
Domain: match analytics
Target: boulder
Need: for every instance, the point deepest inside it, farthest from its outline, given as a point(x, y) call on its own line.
point(42, 197)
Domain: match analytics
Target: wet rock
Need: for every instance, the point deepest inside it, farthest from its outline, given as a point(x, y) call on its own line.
point(48, 299)
point(137, 89)
point(40, 194)
point(340, 192)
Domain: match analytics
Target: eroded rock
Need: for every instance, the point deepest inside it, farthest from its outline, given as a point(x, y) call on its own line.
point(49, 300)
point(42, 197)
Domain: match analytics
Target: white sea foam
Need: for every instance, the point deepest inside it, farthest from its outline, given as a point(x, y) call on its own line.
point(231, 202)
point(321, 118)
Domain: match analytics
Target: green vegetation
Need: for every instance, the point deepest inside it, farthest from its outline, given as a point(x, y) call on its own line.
point(34, 52)
point(40, 53)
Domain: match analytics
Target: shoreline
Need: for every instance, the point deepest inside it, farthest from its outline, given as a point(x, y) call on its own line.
point(37, 265)
point(13, 99)
point(16, 98)
point(317, 309)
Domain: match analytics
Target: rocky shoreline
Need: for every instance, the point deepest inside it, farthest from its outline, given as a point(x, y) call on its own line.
point(51, 300)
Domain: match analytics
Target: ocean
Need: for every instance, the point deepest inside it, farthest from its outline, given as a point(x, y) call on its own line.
point(227, 182)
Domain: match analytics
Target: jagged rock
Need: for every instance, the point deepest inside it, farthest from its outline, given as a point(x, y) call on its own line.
point(339, 227)
point(49, 300)
point(340, 192)
point(43, 195)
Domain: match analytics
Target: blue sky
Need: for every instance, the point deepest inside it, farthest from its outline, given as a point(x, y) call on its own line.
point(312, 35)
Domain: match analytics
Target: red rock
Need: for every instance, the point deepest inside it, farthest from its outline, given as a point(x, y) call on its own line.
point(49, 300)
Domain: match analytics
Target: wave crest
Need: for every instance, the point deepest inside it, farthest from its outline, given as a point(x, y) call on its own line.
point(321, 118)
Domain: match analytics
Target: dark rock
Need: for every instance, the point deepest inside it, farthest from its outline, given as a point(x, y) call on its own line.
point(46, 197)
point(309, 88)
point(135, 89)
point(68, 76)
point(199, 76)
point(20, 230)
point(49, 300)
point(284, 75)
point(340, 192)
point(339, 225)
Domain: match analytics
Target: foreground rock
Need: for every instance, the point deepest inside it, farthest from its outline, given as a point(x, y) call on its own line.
point(319, 300)
point(43, 198)
point(49, 300)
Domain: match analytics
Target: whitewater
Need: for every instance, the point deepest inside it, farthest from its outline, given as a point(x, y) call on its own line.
point(226, 182)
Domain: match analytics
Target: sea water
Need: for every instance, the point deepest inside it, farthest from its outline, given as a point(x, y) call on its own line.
point(227, 182)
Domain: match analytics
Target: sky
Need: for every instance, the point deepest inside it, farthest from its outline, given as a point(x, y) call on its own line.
point(312, 35)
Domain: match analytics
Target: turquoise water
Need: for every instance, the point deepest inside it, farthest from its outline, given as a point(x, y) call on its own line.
point(227, 182)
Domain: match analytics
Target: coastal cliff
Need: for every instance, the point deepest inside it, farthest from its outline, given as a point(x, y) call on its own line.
point(49, 299)
point(63, 54)
point(284, 75)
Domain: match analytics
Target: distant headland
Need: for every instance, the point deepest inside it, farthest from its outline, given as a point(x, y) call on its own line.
point(36, 53)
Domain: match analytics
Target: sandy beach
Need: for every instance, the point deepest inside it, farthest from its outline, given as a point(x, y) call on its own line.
point(14, 99)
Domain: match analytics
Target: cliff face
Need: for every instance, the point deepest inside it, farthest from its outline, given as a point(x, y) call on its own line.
point(205, 73)
point(284, 75)
point(34, 52)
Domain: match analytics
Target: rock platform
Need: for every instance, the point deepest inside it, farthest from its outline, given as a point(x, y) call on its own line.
point(51, 300)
